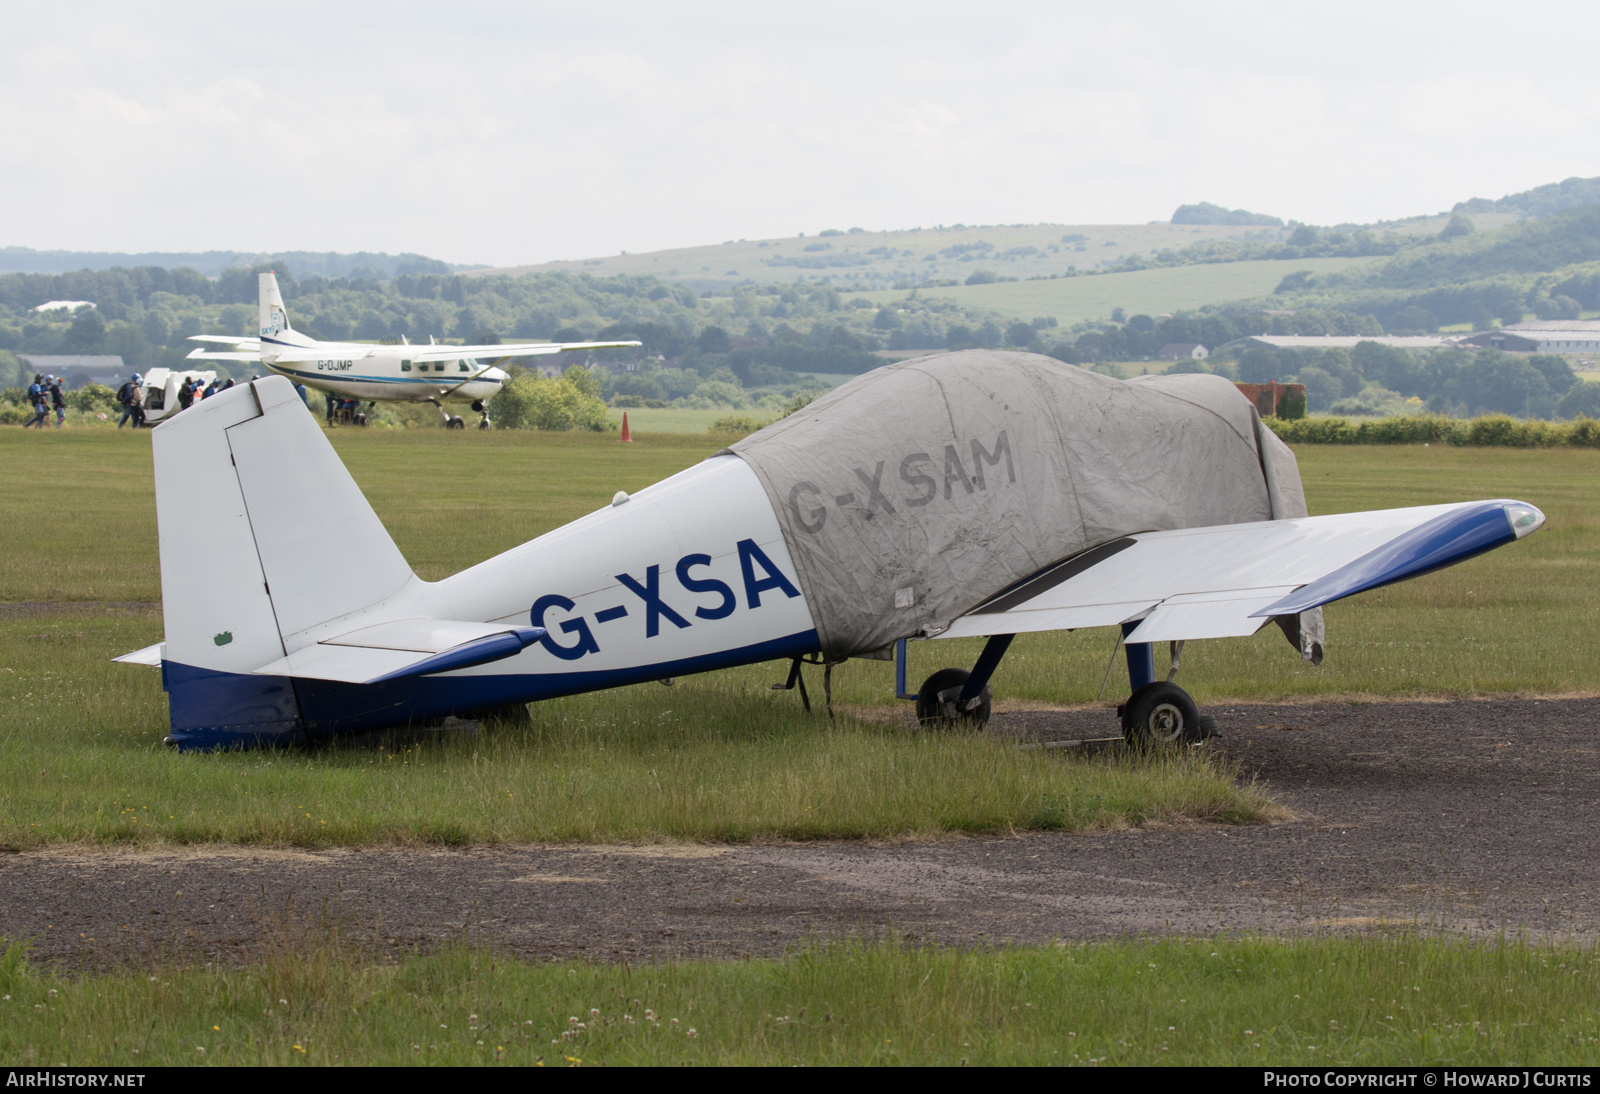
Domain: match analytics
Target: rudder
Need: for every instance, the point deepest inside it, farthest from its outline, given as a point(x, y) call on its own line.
point(248, 487)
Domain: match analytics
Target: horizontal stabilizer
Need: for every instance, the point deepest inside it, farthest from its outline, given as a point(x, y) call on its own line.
point(407, 647)
point(150, 655)
point(222, 355)
point(1229, 580)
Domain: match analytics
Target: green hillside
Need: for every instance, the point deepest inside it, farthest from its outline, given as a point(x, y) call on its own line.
point(881, 259)
point(1171, 289)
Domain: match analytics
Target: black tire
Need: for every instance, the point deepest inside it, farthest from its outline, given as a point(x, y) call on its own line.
point(936, 715)
point(1162, 714)
point(484, 424)
point(455, 423)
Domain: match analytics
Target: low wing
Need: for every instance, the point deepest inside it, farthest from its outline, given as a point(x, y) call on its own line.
point(388, 651)
point(1229, 580)
point(520, 349)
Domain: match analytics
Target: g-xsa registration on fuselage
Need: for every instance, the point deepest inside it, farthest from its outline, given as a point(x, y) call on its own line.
point(371, 373)
point(971, 494)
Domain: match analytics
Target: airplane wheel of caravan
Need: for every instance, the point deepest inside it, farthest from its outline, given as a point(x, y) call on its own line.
point(1161, 714)
point(936, 714)
point(484, 424)
point(455, 423)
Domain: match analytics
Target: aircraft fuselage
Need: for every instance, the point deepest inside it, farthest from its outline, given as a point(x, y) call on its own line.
point(389, 373)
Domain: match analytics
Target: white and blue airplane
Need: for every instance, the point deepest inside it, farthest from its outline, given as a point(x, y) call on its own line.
point(356, 370)
point(323, 629)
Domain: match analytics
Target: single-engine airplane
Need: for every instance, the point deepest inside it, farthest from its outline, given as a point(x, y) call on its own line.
point(356, 370)
point(977, 493)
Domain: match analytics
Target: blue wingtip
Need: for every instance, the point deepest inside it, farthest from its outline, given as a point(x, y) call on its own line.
point(481, 651)
point(1453, 537)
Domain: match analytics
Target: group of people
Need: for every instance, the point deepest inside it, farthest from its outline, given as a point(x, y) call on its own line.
point(43, 394)
point(193, 391)
point(132, 396)
point(340, 408)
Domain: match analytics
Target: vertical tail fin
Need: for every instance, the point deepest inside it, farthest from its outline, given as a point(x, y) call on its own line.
point(275, 317)
point(263, 534)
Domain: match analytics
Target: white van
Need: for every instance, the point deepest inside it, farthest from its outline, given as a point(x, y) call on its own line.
point(161, 391)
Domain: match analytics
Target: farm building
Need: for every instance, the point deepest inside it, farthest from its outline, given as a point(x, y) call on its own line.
point(1183, 351)
point(79, 369)
point(1275, 400)
point(1348, 341)
point(1543, 336)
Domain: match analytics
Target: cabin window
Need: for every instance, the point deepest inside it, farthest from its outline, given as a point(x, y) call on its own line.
point(405, 366)
point(439, 367)
point(462, 366)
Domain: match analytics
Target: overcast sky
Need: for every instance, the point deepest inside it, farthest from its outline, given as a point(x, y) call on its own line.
point(520, 132)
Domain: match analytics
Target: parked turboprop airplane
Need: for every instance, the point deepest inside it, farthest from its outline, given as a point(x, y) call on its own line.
point(963, 494)
point(356, 370)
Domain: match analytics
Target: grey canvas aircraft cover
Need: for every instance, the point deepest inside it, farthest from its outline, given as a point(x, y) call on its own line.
point(912, 493)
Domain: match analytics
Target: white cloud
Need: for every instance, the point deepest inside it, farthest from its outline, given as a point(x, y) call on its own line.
point(514, 133)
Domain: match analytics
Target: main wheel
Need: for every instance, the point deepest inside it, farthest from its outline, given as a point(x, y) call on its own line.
point(1162, 714)
point(484, 424)
point(935, 713)
point(455, 423)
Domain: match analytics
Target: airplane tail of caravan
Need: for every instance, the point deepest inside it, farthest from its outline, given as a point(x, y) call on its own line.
point(275, 328)
point(284, 555)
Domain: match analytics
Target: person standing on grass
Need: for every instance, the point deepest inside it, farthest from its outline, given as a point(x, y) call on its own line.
point(125, 397)
point(58, 401)
point(36, 399)
point(135, 401)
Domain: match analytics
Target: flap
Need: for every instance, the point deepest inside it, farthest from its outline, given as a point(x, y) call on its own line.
point(1229, 580)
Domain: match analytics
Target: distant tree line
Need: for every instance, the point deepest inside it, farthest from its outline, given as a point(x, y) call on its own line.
point(1374, 379)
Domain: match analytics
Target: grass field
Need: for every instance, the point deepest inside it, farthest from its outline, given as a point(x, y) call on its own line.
point(674, 419)
point(1151, 292)
point(718, 756)
point(317, 998)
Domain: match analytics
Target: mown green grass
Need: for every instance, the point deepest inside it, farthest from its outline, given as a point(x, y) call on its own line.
point(723, 758)
point(718, 756)
point(1169, 289)
point(677, 419)
point(318, 998)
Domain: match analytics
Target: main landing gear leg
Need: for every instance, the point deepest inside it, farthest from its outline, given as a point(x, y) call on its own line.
point(1158, 711)
point(450, 420)
point(956, 697)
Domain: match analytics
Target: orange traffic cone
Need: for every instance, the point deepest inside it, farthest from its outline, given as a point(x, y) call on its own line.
point(626, 436)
